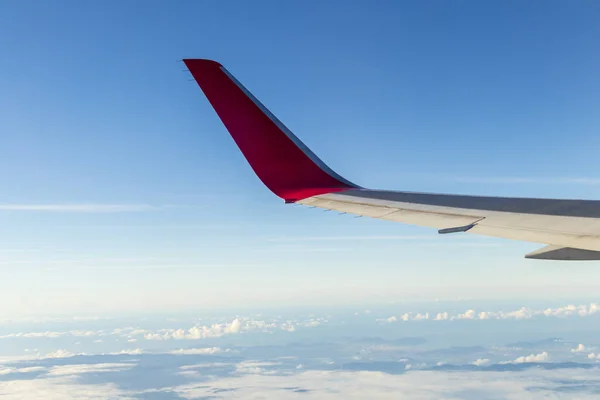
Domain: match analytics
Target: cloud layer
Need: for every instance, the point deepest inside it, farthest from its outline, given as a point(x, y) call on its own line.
point(583, 310)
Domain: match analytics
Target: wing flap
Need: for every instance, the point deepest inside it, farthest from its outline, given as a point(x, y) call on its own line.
point(563, 254)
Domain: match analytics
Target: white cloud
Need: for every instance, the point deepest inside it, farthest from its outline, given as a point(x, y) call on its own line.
point(235, 326)
point(391, 319)
point(311, 323)
point(33, 335)
point(204, 365)
point(128, 351)
point(238, 325)
point(60, 354)
point(60, 388)
point(580, 348)
point(50, 334)
point(521, 313)
point(77, 369)
point(441, 316)
point(255, 367)
point(206, 350)
point(197, 332)
point(518, 314)
point(12, 370)
point(288, 326)
point(532, 358)
point(469, 314)
point(481, 361)
point(424, 385)
point(560, 312)
point(79, 208)
point(255, 379)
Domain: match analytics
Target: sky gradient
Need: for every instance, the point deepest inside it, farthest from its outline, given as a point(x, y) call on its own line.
point(122, 191)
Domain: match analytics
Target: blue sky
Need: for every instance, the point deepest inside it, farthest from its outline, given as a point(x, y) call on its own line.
point(496, 98)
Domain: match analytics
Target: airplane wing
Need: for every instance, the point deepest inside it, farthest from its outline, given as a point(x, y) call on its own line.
point(569, 228)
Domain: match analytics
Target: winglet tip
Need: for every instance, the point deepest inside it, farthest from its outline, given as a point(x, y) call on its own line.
point(206, 61)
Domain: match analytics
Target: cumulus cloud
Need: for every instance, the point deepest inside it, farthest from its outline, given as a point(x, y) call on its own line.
point(311, 323)
point(469, 314)
point(206, 350)
point(237, 325)
point(128, 351)
point(197, 332)
point(484, 315)
point(388, 320)
point(60, 354)
point(255, 367)
point(481, 361)
point(443, 316)
point(288, 326)
point(421, 317)
point(522, 313)
point(532, 358)
point(580, 348)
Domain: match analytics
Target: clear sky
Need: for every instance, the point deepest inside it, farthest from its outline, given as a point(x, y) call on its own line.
point(121, 190)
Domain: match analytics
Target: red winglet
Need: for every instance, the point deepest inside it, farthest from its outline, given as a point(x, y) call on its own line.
point(281, 161)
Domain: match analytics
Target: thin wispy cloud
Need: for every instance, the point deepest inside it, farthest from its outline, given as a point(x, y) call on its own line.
point(350, 238)
point(303, 249)
point(528, 180)
point(310, 243)
point(79, 208)
point(509, 180)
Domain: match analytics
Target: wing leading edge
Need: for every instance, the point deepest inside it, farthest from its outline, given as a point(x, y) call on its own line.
point(570, 228)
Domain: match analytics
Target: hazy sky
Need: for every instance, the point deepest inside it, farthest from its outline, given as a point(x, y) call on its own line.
point(121, 190)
